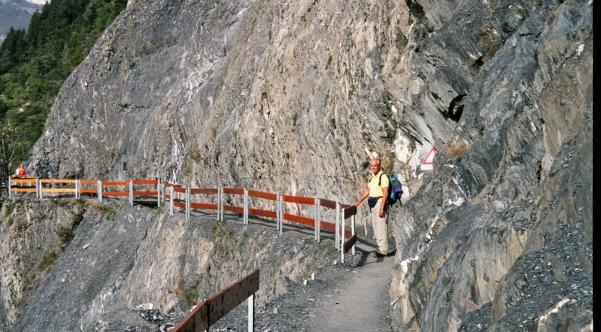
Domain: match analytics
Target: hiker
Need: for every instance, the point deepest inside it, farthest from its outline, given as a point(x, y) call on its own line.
point(376, 194)
point(20, 172)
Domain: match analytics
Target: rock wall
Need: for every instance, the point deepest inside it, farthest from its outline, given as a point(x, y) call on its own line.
point(499, 236)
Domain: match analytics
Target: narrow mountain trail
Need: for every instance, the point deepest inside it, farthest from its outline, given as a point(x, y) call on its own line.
point(361, 302)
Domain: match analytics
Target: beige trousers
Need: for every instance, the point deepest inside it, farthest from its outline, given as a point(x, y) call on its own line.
point(380, 227)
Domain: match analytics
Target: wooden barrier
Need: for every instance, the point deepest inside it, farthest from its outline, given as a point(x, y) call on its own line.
point(298, 199)
point(214, 308)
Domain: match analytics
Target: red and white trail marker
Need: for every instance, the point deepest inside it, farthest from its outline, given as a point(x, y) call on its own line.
point(426, 163)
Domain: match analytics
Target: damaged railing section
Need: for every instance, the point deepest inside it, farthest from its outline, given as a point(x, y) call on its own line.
point(214, 308)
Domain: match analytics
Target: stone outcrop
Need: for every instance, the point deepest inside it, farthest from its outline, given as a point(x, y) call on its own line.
point(291, 96)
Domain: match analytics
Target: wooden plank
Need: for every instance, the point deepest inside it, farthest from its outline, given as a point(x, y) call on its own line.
point(327, 203)
point(298, 199)
point(145, 193)
point(196, 321)
point(57, 181)
point(206, 191)
point(262, 213)
point(211, 310)
point(23, 190)
point(262, 194)
point(299, 219)
point(235, 209)
point(179, 204)
point(145, 181)
point(229, 298)
point(206, 206)
point(28, 180)
point(328, 226)
point(58, 190)
point(348, 244)
point(349, 211)
point(88, 181)
point(233, 191)
point(115, 183)
point(115, 193)
point(179, 189)
point(88, 191)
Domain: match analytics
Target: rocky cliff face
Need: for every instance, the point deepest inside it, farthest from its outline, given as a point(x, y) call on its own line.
point(93, 264)
point(291, 96)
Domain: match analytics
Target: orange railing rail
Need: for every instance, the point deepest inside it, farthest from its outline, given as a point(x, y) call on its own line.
point(180, 197)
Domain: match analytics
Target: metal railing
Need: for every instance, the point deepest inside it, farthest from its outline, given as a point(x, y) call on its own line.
point(177, 196)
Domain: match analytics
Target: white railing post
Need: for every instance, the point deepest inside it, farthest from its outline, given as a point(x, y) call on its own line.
point(217, 199)
point(280, 213)
point(222, 204)
point(10, 196)
point(353, 232)
point(171, 200)
point(337, 235)
point(131, 193)
point(251, 313)
point(317, 223)
point(187, 203)
point(77, 189)
point(245, 211)
point(99, 188)
point(159, 192)
point(39, 186)
point(342, 235)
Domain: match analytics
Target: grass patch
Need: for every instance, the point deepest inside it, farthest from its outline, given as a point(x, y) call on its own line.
point(48, 259)
point(195, 155)
point(221, 232)
point(187, 292)
point(457, 148)
point(329, 62)
point(108, 211)
point(159, 209)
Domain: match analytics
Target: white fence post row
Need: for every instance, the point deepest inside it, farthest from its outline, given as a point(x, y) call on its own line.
point(39, 186)
point(99, 189)
point(245, 211)
point(10, 196)
point(131, 193)
point(316, 218)
point(77, 189)
point(187, 203)
point(171, 200)
point(353, 232)
point(337, 236)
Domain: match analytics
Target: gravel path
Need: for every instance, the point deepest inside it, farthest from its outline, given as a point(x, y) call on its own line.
point(345, 297)
point(362, 302)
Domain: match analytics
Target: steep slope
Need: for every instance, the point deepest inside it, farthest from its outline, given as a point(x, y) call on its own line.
point(109, 259)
